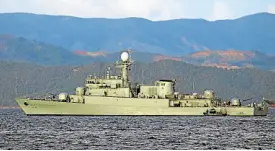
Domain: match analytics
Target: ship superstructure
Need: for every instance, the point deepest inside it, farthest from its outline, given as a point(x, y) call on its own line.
point(116, 95)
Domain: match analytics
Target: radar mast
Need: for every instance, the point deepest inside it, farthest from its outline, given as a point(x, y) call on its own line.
point(124, 65)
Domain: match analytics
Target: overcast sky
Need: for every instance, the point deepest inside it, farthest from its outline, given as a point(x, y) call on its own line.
point(150, 9)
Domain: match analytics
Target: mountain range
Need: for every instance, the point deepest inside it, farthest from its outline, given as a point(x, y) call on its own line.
point(172, 37)
point(56, 40)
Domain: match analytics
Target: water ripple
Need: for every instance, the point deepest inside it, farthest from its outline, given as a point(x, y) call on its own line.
point(19, 131)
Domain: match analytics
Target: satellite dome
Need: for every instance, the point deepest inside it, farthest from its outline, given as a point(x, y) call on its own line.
point(209, 94)
point(63, 96)
point(235, 102)
point(124, 56)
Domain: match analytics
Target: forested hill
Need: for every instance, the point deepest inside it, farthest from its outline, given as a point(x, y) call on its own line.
point(246, 42)
point(19, 79)
point(172, 37)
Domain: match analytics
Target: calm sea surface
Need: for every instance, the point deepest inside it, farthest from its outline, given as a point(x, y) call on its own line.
point(18, 131)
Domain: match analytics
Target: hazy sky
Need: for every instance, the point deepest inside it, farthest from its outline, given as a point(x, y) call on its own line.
point(150, 9)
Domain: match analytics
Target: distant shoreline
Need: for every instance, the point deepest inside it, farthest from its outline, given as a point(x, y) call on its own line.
point(9, 107)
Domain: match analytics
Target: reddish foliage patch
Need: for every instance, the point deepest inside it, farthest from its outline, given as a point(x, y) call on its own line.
point(161, 57)
point(226, 55)
point(201, 53)
point(80, 53)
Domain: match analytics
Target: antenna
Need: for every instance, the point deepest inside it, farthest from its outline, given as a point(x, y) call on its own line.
point(108, 73)
point(142, 74)
point(193, 85)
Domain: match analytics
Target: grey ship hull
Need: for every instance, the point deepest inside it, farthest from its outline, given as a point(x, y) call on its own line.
point(127, 106)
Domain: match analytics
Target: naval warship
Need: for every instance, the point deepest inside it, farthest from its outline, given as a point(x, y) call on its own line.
point(116, 95)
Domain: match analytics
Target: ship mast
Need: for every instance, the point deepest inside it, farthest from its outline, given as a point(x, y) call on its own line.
point(108, 73)
point(125, 64)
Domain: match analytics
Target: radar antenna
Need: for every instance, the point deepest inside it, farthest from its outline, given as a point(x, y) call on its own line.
point(125, 64)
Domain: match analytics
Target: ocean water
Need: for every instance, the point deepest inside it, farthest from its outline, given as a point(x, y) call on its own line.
point(18, 131)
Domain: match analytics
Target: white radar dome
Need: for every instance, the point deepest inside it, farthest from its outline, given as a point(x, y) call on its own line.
point(124, 56)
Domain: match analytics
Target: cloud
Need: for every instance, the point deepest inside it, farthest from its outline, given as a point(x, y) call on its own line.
point(221, 10)
point(271, 8)
point(150, 9)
